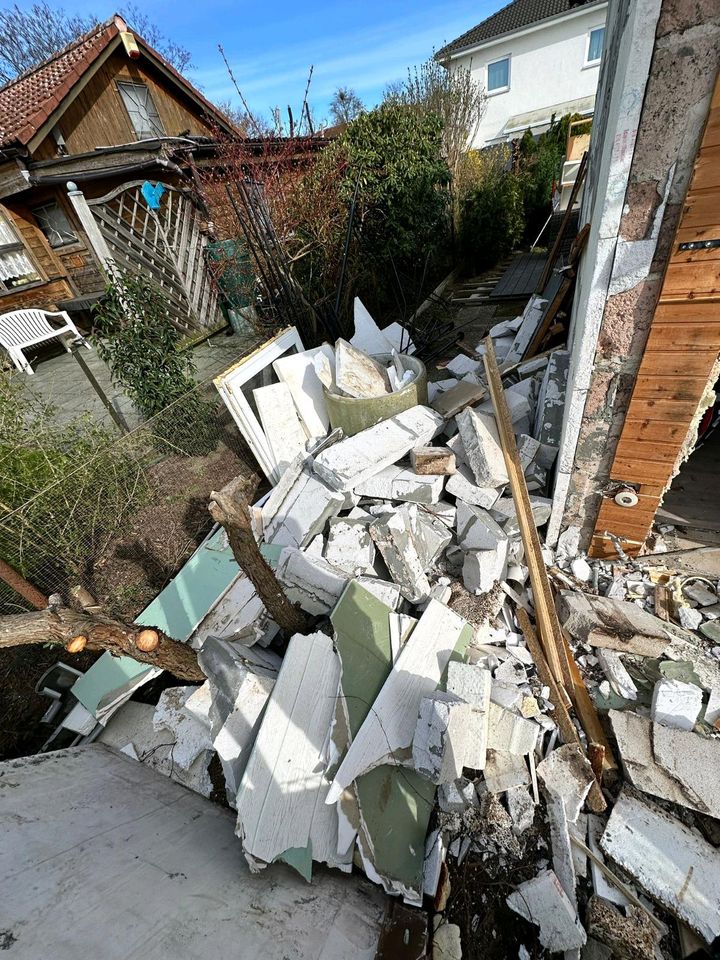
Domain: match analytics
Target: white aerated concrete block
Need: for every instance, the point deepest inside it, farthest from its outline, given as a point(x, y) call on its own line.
point(476, 529)
point(462, 485)
point(440, 740)
point(309, 581)
point(481, 442)
point(299, 507)
point(471, 683)
point(396, 483)
point(543, 901)
point(349, 546)
point(482, 569)
point(396, 542)
point(351, 461)
point(676, 704)
point(454, 797)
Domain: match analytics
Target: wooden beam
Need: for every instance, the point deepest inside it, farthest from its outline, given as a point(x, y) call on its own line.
point(547, 619)
point(550, 263)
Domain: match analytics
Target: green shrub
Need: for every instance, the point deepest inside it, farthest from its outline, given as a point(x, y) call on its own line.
point(64, 489)
point(401, 226)
point(491, 220)
point(134, 334)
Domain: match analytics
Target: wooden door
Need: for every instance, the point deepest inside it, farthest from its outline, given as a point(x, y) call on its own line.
point(682, 347)
point(165, 242)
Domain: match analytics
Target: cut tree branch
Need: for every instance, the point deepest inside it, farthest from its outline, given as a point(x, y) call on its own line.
point(230, 508)
point(69, 628)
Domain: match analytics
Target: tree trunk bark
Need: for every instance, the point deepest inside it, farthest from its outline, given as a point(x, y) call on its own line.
point(61, 625)
point(229, 508)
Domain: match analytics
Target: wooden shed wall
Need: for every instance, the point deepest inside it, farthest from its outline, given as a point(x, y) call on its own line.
point(680, 354)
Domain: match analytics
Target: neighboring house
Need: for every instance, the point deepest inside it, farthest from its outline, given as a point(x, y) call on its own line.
point(83, 139)
point(534, 59)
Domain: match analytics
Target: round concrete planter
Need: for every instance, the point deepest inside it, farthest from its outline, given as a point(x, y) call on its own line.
point(356, 415)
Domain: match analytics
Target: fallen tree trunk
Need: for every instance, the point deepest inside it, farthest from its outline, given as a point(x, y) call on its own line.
point(77, 631)
point(229, 508)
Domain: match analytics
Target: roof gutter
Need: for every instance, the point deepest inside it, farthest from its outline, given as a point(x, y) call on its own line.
point(533, 28)
point(104, 172)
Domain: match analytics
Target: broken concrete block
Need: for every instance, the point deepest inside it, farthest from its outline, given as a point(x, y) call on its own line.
point(503, 771)
point(434, 856)
point(440, 740)
point(676, 765)
point(472, 685)
point(446, 942)
point(551, 399)
point(614, 669)
point(384, 590)
point(601, 885)
point(676, 704)
point(543, 901)
point(689, 619)
point(671, 862)
point(285, 434)
point(394, 539)
point(518, 408)
point(431, 533)
point(311, 582)
point(482, 569)
point(357, 374)
point(462, 486)
point(483, 451)
point(368, 336)
point(476, 529)
point(433, 460)
point(298, 507)
point(396, 483)
point(456, 796)
point(462, 364)
point(192, 736)
point(349, 546)
point(521, 808)
point(629, 933)
point(451, 401)
point(509, 733)
point(443, 511)
point(527, 449)
point(503, 510)
point(351, 461)
point(613, 624)
point(567, 774)
point(700, 594)
point(529, 323)
point(298, 371)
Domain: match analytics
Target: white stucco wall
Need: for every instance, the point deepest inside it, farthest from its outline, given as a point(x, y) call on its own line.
point(547, 67)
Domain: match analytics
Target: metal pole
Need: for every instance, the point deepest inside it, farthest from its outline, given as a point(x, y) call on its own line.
point(117, 417)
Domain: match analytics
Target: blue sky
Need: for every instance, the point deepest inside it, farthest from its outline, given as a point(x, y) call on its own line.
point(271, 45)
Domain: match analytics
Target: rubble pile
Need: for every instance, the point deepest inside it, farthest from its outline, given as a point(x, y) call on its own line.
point(419, 725)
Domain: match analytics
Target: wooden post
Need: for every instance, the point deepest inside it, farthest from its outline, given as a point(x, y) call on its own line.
point(98, 245)
point(21, 586)
point(229, 508)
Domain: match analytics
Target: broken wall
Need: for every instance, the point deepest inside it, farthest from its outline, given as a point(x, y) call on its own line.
point(662, 59)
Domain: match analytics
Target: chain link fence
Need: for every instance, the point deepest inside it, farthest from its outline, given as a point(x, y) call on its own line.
point(123, 520)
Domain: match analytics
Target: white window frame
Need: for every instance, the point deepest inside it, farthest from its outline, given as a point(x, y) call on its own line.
point(125, 89)
point(497, 90)
point(588, 62)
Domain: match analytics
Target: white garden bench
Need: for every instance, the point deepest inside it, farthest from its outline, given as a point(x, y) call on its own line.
point(21, 329)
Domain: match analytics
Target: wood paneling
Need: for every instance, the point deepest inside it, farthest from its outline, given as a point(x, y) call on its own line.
point(681, 350)
point(45, 296)
point(97, 116)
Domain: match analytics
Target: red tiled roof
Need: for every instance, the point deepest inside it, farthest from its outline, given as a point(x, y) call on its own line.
point(29, 100)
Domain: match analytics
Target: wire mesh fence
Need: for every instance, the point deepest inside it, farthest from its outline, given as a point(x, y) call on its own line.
point(122, 520)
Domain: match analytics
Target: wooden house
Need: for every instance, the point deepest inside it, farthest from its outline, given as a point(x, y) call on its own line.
point(97, 147)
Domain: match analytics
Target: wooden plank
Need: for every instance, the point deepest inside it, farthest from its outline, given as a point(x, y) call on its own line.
point(669, 388)
point(555, 250)
point(707, 169)
point(701, 210)
point(676, 411)
point(698, 280)
point(632, 471)
point(655, 451)
point(664, 431)
point(677, 363)
point(639, 516)
point(281, 802)
point(604, 548)
point(685, 311)
point(683, 336)
point(387, 732)
point(547, 620)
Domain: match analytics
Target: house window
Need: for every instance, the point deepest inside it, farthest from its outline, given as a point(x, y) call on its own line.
point(141, 110)
point(54, 224)
point(596, 38)
point(16, 268)
point(498, 75)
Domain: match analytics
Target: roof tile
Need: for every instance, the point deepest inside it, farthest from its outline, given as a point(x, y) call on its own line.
point(515, 16)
